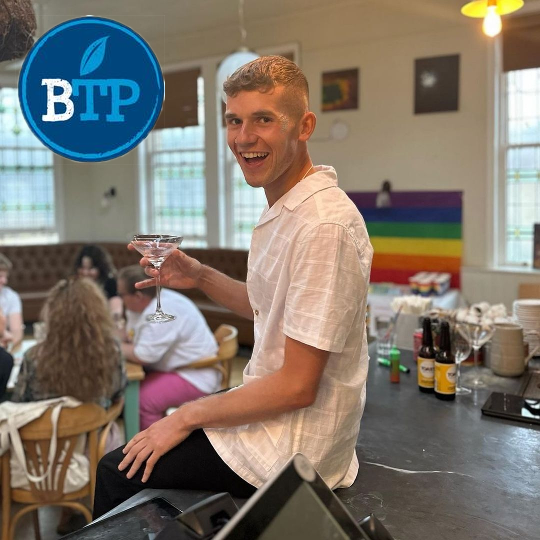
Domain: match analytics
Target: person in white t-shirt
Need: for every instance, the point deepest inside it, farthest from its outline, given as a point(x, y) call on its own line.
point(165, 349)
point(306, 291)
point(10, 308)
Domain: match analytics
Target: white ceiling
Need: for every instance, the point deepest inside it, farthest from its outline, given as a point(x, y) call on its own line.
point(157, 17)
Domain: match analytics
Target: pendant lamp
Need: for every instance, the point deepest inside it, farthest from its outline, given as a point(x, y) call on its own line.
point(236, 59)
point(491, 11)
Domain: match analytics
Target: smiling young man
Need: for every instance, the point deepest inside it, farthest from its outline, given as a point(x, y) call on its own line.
point(306, 291)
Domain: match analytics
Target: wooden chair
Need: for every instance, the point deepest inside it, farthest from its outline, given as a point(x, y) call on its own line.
point(89, 419)
point(227, 338)
point(529, 290)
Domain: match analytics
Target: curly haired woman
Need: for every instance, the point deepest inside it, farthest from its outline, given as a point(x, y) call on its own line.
point(80, 356)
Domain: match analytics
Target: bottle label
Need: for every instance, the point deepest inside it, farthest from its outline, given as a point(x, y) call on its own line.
point(445, 378)
point(426, 367)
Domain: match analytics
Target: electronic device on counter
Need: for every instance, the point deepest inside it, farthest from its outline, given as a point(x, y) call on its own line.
point(296, 503)
point(512, 407)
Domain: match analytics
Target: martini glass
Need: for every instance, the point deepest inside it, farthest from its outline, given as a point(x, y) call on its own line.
point(481, 334)
point(156, 248)
point(461, 347)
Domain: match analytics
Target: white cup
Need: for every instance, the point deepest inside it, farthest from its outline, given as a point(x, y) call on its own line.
point(508, 350)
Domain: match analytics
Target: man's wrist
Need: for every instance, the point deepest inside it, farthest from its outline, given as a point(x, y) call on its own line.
point(204, 277)
point(188, 416)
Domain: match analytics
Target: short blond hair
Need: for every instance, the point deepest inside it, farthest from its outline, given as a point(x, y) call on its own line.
point(5, 264)
point(267, 72)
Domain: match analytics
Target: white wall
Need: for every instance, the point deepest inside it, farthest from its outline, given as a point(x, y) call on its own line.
point(446, 151)
point(84, 185)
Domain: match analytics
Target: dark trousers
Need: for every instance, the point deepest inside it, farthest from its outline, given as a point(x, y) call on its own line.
point(193, 464)
point(6, 365)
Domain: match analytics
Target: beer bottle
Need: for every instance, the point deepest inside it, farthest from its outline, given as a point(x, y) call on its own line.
point(426, 359)
point(445, 367)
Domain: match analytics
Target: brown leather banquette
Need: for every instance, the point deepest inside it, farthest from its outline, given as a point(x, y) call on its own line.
point(37, 268)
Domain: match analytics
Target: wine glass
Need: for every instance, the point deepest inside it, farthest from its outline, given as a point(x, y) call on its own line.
point(480, 334)
point(156, 248)
point(461, 347)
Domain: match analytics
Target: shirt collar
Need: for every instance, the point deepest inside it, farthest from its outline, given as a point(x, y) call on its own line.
point(324, 177)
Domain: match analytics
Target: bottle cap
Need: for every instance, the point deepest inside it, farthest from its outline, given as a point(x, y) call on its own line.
point(395, 354)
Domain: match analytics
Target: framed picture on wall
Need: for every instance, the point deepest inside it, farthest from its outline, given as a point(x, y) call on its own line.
point(436, 84)
point(340, 90)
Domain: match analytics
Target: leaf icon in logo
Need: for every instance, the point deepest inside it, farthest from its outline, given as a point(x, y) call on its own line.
point(93, 56)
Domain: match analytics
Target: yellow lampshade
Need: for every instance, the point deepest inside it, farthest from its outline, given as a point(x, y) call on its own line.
point(479, 8)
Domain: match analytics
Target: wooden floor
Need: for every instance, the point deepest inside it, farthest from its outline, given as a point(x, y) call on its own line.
point(48, 517)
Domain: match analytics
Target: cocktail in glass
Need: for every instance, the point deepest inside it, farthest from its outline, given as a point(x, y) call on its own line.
point(156, 248)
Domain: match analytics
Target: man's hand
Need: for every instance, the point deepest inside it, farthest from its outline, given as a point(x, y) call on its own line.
point(152, 443)
point(178, 271)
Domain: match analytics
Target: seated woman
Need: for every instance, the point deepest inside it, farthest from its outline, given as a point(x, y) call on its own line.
point(11, 333)
point(80, 356)
point(95, 263)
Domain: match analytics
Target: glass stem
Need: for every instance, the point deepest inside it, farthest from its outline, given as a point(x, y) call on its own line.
point(158, 289)
point(458, 376)
point(476, 368)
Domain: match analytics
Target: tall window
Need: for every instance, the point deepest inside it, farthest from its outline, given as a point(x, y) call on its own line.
point(176, 180)
point(27, 207)
point(522, 156)
point(247, 205)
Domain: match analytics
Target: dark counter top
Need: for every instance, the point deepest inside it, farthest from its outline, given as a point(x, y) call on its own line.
point(489, 487)
point(431, 469)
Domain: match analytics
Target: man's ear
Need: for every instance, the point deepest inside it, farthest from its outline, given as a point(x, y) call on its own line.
point(307, 126)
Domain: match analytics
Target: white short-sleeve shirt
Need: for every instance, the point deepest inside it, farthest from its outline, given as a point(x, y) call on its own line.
point(308, 274)
point(10, 302)
point(171, 346)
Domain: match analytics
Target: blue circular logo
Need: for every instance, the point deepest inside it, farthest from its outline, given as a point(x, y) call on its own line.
point(91, 89)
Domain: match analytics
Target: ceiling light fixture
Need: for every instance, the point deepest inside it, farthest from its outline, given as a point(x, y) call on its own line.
point(236, 59)
point(491, 11)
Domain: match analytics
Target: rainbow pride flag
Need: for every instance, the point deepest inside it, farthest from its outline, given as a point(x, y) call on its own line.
point(420, 232)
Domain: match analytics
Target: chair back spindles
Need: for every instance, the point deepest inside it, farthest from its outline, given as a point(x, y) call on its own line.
point(227, 339)
point(87, 421)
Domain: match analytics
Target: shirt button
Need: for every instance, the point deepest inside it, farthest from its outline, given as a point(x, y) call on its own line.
point(257, 312)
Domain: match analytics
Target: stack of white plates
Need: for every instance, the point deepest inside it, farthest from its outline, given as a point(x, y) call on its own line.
point(527, 313)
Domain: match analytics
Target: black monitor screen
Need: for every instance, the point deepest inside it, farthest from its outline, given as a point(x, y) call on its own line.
point(304, 516)
point(297, 504)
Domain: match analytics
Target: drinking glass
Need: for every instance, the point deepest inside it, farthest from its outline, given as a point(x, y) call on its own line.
point(385, 336)
point(461, 347)
point(480, 334)
point(156, 248)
